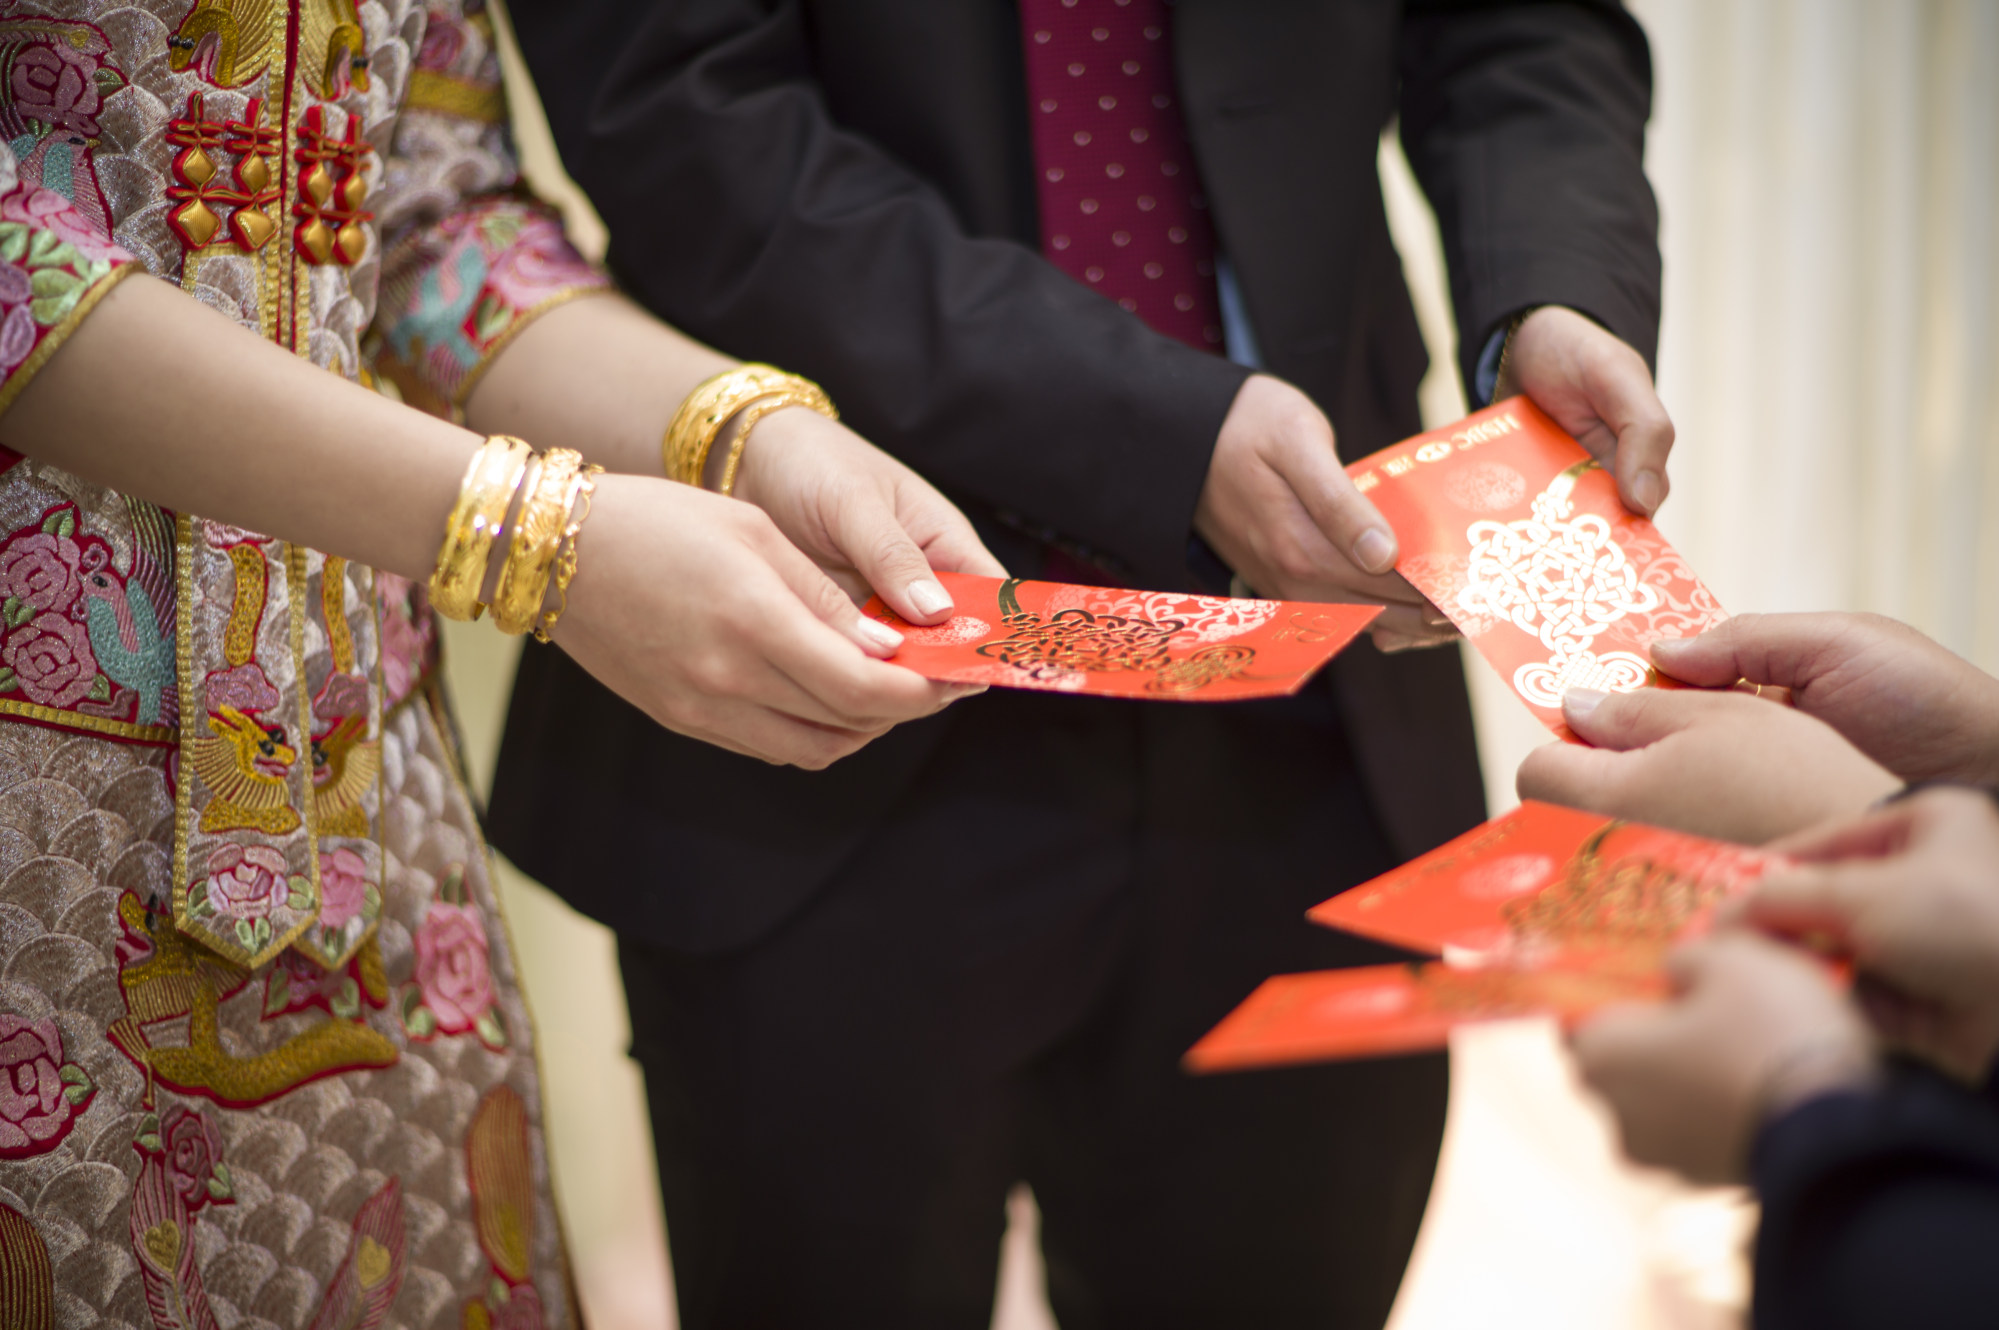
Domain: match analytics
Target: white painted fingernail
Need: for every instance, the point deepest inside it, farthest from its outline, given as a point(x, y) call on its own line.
point(1375, 550)
point(1647, 488)
point(880, 634)
point(1577, 703)
point(929, 598)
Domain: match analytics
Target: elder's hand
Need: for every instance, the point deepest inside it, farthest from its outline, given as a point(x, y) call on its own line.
point(864, 517)
point(1756, 1027)
point(1725, 765)
point(1911, 896)
point(1596, 387)
point(695, 609)
point(1281, 511)
point(1902, 699)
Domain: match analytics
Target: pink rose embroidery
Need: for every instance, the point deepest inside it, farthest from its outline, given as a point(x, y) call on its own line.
point(17, 336)
point(39, 1095)
point(57, 85)
point(405, 645)
point(243, 687)
point(443, 43)
point(247, 881)
point(452, 970)
point(50, 211)
point(51, 660)
point(193, 1147)
point(41, 569)
point(521, 1310)
point(539, 264)
point(343, 887)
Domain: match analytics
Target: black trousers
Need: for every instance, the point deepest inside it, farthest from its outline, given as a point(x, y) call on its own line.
point(998, 987)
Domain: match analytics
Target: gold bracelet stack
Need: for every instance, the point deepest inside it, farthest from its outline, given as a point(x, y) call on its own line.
point(554, 491)
point(565, 562)
point(483, 500)
point(754, 391)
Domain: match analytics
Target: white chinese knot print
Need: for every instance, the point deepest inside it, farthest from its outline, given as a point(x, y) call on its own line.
point(1564, 579)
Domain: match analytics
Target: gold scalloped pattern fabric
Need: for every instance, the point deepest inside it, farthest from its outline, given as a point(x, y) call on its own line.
point(84, 822)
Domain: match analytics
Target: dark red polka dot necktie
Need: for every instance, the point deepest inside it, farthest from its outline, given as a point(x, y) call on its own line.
point(1121, 205)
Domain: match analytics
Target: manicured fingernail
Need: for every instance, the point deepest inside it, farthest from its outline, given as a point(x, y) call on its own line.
point(1648, 489)
point(1375, 550)
point(1667, 648)
point(929, 598)
point(880, 634)
point(964, 690)
point(1435, 617)
point(1577, 703)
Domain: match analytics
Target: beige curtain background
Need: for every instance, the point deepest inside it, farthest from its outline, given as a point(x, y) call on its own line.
point(1828, 172)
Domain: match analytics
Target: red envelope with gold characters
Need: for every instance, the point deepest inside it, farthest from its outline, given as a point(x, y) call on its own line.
point(1378, 1010)
point(1517, 534)
point(1546, 911)
point(1544, 881)
point(1162, 645)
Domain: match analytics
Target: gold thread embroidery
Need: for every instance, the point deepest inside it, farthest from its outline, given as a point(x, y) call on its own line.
point(179, 979)
point(500, 1172)
point(246, 609)
point(295, 570)
point(117, 729)
point(243, 793)
point(352, 764)
point(432, 91)
point(190, 697)
point(333, 606)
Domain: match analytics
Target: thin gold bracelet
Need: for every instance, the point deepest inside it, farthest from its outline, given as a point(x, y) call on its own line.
point(487, 492)
point(809, 396)
point(537, 538)
point(582, 494)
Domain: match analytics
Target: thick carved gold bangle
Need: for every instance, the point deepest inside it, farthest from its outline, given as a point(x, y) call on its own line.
point(537, 539)
point(484, 497)
point(583, 491)
point(692, 432)
point(801, 392)
point(690, 436)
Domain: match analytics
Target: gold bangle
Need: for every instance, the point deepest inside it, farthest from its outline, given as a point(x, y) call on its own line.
point(582, 493)
point(805, 393)
point(692, 432)
point(537, 537)
point(485, 495)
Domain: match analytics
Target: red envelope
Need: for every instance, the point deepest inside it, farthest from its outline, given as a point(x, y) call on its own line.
point(1545, 881)
point(1510, 527)
point(1162, 645)
point(1383, 1009)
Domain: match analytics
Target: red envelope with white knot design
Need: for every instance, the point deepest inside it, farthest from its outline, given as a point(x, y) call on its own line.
point(1163, 646)
point(1515, 532)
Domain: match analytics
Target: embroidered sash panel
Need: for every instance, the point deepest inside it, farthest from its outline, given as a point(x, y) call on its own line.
point(261, 1053)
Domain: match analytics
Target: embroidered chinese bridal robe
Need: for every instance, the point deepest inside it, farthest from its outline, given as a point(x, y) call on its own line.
point(263, 1058)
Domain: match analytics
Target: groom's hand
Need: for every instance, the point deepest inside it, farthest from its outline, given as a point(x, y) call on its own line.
point(1281, 511)
point(1596, 387)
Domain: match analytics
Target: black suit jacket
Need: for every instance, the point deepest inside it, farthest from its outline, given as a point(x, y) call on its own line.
point(1880, 1209)
point(845, 187)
